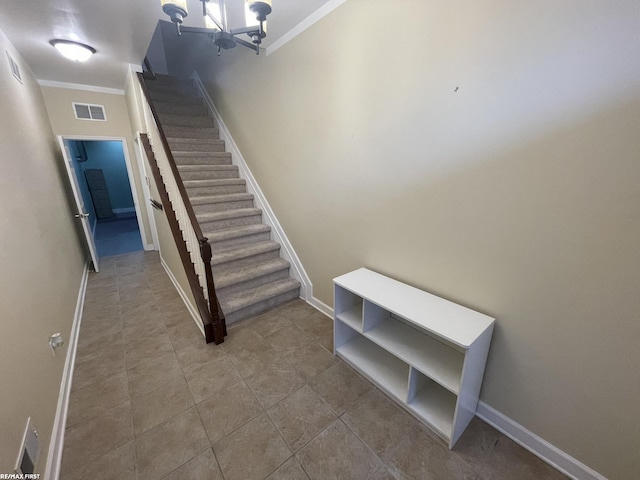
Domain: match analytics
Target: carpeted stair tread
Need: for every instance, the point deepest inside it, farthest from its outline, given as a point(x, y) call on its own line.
point(195, 141)
point(190, 132)
point(174, 97)
point(204, 168)
point(225, 214)
point(234, 277)
point(231, 197)
point(214, 183)
point(243, 299)
point(236, 232)
point(173, 92)
point(202, 158)
point(185, 120)
point(243, 251)
point(181, 109)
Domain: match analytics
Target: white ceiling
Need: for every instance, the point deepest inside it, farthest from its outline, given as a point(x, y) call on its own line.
point(120, 31)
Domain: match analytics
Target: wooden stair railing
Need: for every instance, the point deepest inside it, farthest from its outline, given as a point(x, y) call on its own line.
point(208, 308)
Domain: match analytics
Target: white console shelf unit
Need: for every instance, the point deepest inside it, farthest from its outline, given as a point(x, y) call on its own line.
point(424, 351)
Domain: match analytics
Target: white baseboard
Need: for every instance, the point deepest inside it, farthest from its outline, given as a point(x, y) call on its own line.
point(555, 457)
point(321, 306)
point(192, 310)
point(54, 457)
point(149, 247)
point(297, 271)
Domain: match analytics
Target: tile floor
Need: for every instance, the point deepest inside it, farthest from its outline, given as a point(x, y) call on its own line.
point(150, 400)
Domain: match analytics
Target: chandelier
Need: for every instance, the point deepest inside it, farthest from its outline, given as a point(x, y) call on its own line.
point(215, 15)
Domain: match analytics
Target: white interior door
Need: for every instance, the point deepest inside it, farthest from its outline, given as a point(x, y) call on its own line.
point(81, 214)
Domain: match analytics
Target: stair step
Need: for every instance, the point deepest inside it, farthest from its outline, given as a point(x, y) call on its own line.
point(176, 97)
point(215, 187)
point(236, 236)
point(242, 304)
point(191, 132)
point(207, 172)
point(226, 259)
point(179, 108)
point(185, 120)
point(229, 218)
point(196, 144)
point(202, 158)
point(251, 277)
point(162, 79)
point(172, 93)
point(216, 203)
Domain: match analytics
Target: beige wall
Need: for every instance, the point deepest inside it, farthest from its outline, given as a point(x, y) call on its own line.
point(41, 263)
point(484, 151)
point(59, 105)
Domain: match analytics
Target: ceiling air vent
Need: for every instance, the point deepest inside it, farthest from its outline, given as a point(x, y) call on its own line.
point(84, 111)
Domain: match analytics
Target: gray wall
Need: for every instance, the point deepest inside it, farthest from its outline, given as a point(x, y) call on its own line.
point(487, 152)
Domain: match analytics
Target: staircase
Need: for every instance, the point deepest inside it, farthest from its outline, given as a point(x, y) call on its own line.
point(249, 274)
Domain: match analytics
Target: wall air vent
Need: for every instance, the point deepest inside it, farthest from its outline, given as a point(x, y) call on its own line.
point(84, 111)
point(15, 69)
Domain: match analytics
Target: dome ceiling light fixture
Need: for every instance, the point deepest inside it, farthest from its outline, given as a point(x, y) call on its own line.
point(215, 15)
point(76, 51)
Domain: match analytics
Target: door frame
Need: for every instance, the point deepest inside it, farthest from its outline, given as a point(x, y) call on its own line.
point(127, 160)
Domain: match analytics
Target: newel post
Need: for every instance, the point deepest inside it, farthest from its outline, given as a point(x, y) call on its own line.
point(217, 329)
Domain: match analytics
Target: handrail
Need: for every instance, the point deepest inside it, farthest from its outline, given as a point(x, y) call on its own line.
point(213, 318)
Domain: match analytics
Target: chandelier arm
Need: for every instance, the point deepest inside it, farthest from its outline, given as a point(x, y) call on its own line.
point(248, 30)
point(247, 44)
point(201, 30)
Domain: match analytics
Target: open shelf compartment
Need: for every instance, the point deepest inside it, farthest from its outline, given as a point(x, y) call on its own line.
point(348, 308)
point(434, 358)
point(379, 366)
point(432, 403)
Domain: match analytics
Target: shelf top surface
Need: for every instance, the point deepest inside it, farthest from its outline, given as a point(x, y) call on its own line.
point(460, 325)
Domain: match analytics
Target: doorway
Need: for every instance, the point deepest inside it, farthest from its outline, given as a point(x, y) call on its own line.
point(103, 179)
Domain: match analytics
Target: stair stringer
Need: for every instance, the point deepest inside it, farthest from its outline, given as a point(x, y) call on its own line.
point(287, 251)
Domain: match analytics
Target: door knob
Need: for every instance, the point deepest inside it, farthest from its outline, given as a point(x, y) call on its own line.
point(81, 215)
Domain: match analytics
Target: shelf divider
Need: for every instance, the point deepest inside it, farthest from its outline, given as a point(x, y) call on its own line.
point(432, 357)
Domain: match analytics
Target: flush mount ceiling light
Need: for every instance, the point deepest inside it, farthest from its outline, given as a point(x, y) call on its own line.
point(76, 51)
point(215, 15)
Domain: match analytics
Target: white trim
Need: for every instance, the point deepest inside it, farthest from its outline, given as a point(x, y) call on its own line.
point(79, 86)
point(321, 306)
point(316, 16)
point(133, 67)
point(297, 270)
point(555, 457)
point(183, 295)
point(54, 457)
point(146, 192)
point(132, 182)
